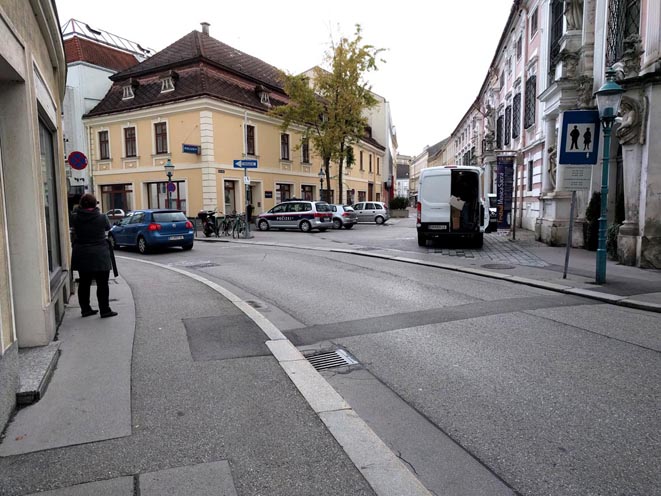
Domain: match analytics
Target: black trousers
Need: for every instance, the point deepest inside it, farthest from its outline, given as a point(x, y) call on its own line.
point(102, 290)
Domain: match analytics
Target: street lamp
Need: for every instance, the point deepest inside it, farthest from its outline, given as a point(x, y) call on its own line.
point(169, 170)
point(608, 101)
point(321, 183)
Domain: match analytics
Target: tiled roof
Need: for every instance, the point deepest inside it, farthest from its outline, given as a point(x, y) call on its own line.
point(200, 47)
point(79, 49)
point(194, 81)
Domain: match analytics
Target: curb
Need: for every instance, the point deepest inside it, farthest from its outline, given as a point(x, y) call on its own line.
point(383, 470)
point(623, 301)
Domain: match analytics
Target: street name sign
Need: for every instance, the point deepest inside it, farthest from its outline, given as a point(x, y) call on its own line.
point(245, 164)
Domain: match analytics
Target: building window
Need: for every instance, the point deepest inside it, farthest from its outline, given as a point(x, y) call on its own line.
point(284, 146)
point(516, 116)
point(508, 65)
point(623, 21)
point(370, 162)
point(502, 79)
point(508, 125)
point(499, 133)
point(127, 93)
point(157, 195)
point(362, 166)
point(378, 166)
point(519, 48)
point(305, 151)
point(533, 24)
point(531, 102)
point(129, 142)
point(161, 135)
point(557, 16)
point(307, 192)
point(104, 145)
point(250, 140)
point(282, 192)
point(167, 84)
point(117, 196)
point(362, 196)
point(530, 172)
point(49, 175)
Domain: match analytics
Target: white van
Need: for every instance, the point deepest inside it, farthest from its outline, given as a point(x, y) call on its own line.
point(451, 204)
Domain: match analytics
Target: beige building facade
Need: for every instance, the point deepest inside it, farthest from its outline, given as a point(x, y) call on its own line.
point(159, 111)
point(34, 241)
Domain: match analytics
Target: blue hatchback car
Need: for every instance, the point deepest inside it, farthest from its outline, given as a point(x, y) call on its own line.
point(147, 229)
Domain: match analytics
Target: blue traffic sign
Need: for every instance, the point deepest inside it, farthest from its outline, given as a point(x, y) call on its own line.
point(77, 160)
point(579, 137)
point(171, 187)
point(245, 164)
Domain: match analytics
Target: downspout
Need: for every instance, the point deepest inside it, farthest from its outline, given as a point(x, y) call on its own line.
point(524, 141)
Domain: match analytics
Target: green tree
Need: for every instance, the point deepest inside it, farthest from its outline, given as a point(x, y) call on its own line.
point(329, 106)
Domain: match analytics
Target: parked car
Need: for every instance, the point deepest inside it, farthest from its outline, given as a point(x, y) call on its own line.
point(115, 215)
point(344, 216)
point(297, 214)
point(493, 213)
point(372, 212)
point(147, 229)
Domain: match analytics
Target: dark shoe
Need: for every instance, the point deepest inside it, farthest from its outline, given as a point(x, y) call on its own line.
point(108, 314)
point(87, 313)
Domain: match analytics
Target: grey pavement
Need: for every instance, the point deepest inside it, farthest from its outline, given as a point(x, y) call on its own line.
point(129, 392)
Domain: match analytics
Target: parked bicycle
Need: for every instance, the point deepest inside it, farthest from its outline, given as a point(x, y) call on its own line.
point(240, 227)
point(209, 224)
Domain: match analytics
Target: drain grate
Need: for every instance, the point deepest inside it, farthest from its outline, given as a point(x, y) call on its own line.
point(337, 358)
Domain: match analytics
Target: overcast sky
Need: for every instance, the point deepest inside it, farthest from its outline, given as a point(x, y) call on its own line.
point(437, 53)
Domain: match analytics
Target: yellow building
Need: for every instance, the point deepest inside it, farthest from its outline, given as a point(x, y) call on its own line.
point(202, 105)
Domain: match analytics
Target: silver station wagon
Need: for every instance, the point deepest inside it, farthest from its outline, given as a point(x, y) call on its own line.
point(297, 214)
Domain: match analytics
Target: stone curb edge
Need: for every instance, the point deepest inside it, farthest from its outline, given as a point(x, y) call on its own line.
point(623, 301)
point(382, 469)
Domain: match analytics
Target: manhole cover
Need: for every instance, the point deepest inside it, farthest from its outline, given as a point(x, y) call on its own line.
point(498, 266)
point(337, 358)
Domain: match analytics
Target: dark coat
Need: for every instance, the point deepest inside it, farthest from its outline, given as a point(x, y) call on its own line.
point(91, 252)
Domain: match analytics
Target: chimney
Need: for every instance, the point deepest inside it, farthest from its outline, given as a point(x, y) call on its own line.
point(205, 27)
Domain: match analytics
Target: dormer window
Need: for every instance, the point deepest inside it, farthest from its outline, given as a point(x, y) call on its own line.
point(127, 93)
point(167, 84)
point(263, 95)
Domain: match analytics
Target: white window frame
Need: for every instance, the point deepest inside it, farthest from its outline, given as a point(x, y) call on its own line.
point(153, 136)
point(127, 92)
point(288, 158)
point(98, 144)
point(245, 139)
point(137, 151)
point(167, 84)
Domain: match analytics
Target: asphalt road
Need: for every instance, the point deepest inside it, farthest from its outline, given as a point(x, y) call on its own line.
point(549, 394)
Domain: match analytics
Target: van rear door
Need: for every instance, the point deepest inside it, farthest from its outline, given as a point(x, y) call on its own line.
point(434, 198)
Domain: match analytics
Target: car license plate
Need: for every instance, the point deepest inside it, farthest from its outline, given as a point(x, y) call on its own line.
point(439, 227)
point(175, 238)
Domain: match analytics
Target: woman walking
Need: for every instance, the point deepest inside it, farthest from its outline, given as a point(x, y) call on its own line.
point(91, 255)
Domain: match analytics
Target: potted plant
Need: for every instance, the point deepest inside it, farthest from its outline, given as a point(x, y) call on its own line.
point(399, 207)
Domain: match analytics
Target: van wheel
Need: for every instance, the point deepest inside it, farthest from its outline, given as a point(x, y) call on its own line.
point(478, 241)
point(305, 226)
point(379, 220)
point(422, 240)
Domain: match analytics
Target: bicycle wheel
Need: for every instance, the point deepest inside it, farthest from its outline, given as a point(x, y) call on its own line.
point(239, 228)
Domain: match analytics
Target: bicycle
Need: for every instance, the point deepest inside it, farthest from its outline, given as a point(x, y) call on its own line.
point(240, 227)
point(226, 225)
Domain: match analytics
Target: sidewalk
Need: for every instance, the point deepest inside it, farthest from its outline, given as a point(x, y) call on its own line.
point(89, 396)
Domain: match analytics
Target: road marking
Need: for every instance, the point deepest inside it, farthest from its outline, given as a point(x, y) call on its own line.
point(382, 469)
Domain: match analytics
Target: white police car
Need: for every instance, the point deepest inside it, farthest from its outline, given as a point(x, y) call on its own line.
point(297, 214)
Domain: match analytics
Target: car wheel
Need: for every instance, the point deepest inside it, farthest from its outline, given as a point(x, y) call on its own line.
point(262, 225)
point(142, 245)
point(112, 241)
point(187, 247)
point(422, 240)
point(305, 226)
point(348, 226)
point(379, 219)
point(337, 224)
